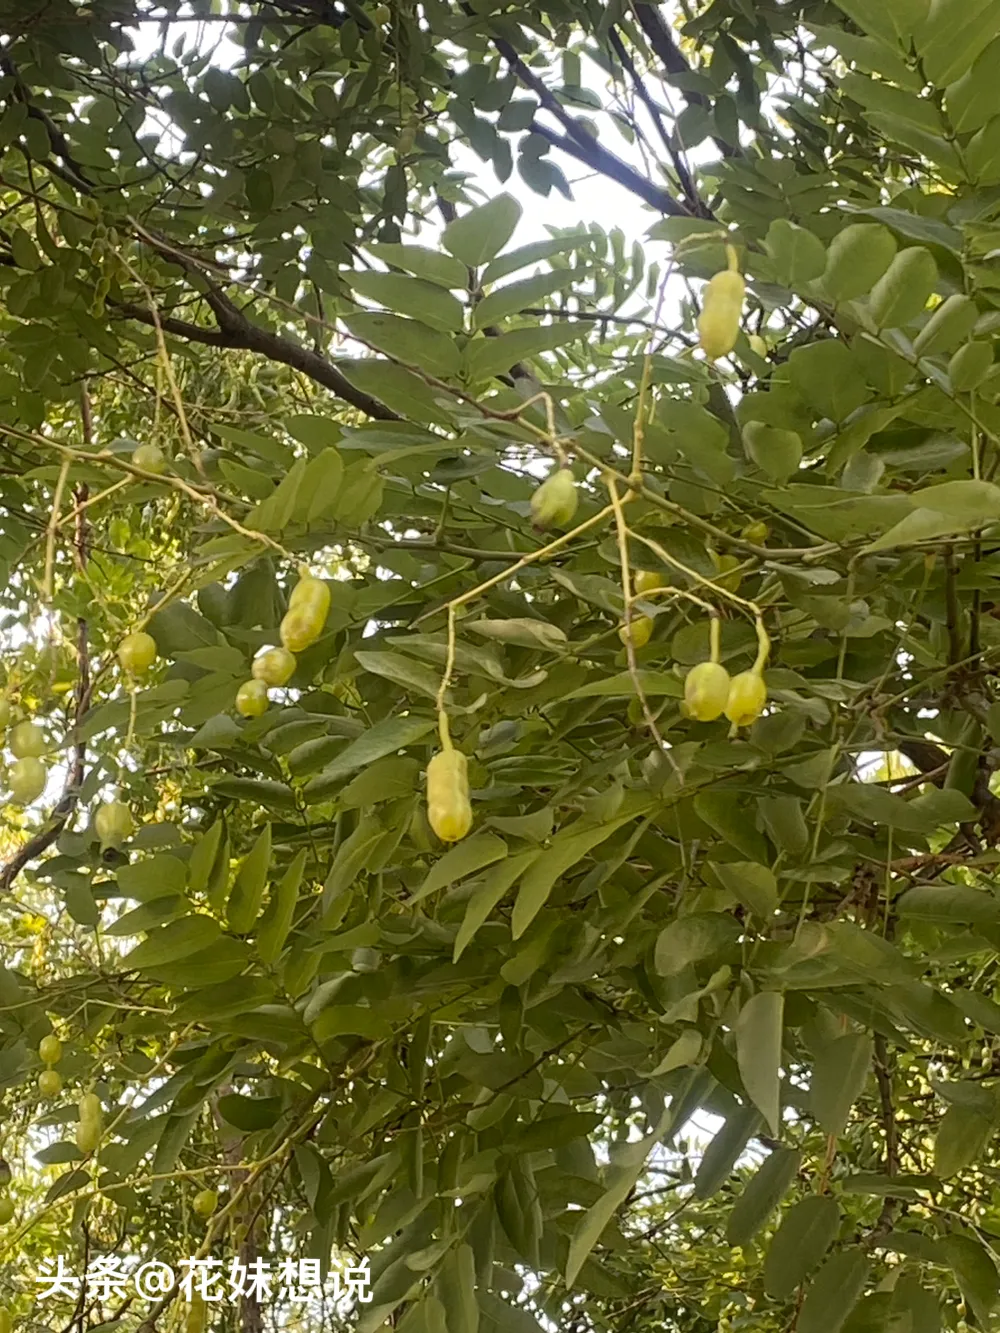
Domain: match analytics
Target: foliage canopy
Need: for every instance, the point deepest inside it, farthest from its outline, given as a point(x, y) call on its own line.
point(267, 303)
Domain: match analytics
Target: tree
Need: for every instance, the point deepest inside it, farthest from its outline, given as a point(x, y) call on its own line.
point(265, 324)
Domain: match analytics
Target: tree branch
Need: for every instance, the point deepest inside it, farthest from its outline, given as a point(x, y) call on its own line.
point(59, 818)
point(579, 143)
point(668, 53)
point(606, 164)
point(236, 331)
point(684, 178)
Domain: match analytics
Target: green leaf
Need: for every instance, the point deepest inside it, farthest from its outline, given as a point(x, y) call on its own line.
point(754, 885)
point(389, 779)
point(169, 943)
point(24, 251)
point(776, 452)
point(688, 939)
point(479, 235)
point(249, 1113)
point(462, 860)
point(277, 920)
point(971, 99)
point(457, 1285)
point(798, 254)
point(412, 296)
point(725, 814)
point(828, 377)
point(247, 894)
point(399, 389)
point(799, 1244)
point(487, 357)
point(762, 1195)
point(534, 253)
point(527, 633)
point(976, 1274)
point(721, 1155)
point(516, 296)
point(758, 1053)
point(385, 737)
point(431, 265)
point(955, 904)
point(623, 1175)
point(321, 485)
point(402, 670)
point(353, 856)
point(833, 1293)
point(839, 1075)
point(488, 893)
point(203, 857)
point(540, 878)
point(408, 340)
point(961, 1139)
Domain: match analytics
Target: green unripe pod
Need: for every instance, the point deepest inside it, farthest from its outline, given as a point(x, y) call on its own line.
point(50, 1083)
point(137, 652)
point(275, 667)
point(50, 1050)
point(449, 812)
point(554, 502)
point(90, 1126)
point(113, 823)
point(26, 780)
point(27, 740)
point(902, 292)
point(205, 1203)
point(311, 595)
point(251, 699)
point(150, 457)
point(719, 321)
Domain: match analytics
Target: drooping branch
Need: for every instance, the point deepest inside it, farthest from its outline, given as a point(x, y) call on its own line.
point(67, 803)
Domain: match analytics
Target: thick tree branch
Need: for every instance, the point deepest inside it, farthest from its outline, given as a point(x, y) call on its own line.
point(579, 143)
point(684, 178)
point(236, 331)
point(661, 40)
point(606, 164)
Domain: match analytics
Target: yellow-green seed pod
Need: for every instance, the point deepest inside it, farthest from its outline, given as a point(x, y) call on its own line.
point(251, 699)
point(719, 321)
point(554, 502)
point(706, 691)
point(449, 811)
point(639, 630)
point(275, 666)
point(113, 823)
point(747, 697)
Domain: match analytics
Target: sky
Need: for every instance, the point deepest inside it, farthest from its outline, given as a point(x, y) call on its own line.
point(595, 199)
